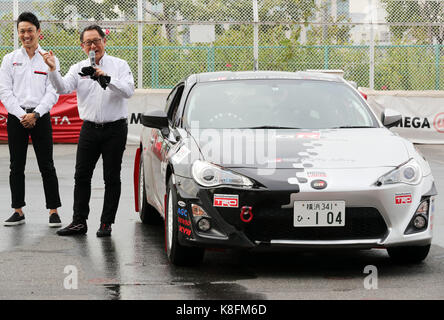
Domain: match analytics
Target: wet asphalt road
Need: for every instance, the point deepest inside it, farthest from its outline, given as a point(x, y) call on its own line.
point(132, 263)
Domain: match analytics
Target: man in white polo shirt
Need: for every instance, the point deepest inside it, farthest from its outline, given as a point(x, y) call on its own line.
point(102, 93)
point(28, 96)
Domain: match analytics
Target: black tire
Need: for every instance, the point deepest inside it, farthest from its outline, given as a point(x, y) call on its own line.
point(148, 214)
point(409, 254)
point(177, 254)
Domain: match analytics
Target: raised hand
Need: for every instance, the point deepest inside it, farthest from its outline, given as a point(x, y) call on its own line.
point(49, 59)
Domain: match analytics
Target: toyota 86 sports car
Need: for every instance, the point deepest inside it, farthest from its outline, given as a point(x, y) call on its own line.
point(248, 159)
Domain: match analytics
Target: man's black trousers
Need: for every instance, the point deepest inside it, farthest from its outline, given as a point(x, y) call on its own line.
point(108, 141)
point(18, 138)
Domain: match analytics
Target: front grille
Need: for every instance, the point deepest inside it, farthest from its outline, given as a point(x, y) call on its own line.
point(360, 223)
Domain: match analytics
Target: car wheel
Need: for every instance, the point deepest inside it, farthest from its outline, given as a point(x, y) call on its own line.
point(148, 214)
point(177, 254)
point(409, 254)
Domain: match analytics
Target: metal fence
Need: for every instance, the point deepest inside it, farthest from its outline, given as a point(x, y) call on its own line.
point(381, 44)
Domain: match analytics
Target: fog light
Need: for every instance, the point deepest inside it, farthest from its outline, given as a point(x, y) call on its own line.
point(197, 211)
point(204, 224)
point(419, 222)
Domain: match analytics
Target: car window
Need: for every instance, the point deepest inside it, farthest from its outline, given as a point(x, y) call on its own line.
point(170, 99)
point(305, 104)
point(173, 101)
point(175, 104)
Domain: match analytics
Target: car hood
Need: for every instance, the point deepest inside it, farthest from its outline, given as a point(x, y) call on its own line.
point(289, 148)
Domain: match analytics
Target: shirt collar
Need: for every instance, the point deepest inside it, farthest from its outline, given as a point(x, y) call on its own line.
point(102, 60)
point(36, 50)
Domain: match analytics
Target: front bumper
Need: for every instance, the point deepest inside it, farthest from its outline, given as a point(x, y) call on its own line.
point(373, 218)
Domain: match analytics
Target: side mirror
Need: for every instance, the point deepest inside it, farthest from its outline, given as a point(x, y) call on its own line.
point(155, 119)
point(390, 118)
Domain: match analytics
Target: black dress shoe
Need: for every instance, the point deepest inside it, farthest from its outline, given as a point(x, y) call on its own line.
point(54, 221)
point(73, 229)
point(15, 219)
point(104, 230)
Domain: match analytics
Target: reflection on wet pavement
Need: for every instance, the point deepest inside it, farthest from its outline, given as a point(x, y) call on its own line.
point(132, 264)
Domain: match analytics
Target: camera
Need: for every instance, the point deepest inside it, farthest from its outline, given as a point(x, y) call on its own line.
point(90, 71)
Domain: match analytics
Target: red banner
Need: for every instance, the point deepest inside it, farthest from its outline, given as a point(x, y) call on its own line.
point(65, 120)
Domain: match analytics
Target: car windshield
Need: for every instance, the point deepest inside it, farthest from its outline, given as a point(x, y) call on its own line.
point(302, 104)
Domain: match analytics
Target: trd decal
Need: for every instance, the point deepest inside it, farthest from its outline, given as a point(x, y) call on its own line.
point(403, 198)
point(228, 201)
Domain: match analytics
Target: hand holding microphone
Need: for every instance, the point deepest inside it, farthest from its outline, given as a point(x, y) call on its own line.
point(91, 70)
point(94, 72)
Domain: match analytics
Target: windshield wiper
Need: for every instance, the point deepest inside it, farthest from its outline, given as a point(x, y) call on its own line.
point(351, 127)
point(270, 127)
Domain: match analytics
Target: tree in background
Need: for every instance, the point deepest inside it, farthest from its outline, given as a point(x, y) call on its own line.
point(416, 12)
point(167, 56)
point(189, 10)
point(84, 9)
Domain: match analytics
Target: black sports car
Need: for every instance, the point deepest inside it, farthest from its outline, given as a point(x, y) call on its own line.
point(239, 160)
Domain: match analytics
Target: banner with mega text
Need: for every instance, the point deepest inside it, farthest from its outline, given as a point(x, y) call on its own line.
point(422, 113)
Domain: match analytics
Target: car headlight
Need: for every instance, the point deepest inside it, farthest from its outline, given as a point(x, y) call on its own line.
point(408, 172)
point(210, 175)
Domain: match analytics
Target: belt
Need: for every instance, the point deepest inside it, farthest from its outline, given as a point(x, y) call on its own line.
point(28, 109)
point(106, 124)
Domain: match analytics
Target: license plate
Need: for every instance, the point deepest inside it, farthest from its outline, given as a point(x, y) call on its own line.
point(319, 214)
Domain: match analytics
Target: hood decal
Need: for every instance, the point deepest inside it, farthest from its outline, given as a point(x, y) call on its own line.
point(305, 155)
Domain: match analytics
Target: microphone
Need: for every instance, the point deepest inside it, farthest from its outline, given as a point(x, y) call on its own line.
point(90, 71)
point(92, 58)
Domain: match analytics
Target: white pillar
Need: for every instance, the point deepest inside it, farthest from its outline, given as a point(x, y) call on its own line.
point(15, 9)
point(372, 46)
point(140, 44)
point(256, 35)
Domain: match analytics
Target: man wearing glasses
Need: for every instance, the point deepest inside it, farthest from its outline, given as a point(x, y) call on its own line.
point(102, 102)
point(28, 96)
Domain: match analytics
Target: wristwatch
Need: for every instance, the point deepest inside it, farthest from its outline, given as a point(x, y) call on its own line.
point(36, 115)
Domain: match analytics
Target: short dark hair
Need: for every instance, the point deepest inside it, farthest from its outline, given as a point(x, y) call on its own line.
point(28, 17)
point(92, 27)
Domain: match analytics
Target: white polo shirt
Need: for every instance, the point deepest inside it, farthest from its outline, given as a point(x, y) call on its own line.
point(94, 103)
point(24, 82)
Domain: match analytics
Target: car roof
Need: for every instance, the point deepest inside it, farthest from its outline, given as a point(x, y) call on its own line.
point(257, 75)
